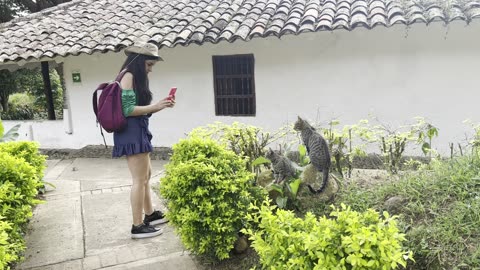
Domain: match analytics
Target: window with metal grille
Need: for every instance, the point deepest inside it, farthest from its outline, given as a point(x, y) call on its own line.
point(234, 84)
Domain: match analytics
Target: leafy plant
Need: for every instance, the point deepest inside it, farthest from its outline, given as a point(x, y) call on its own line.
point(341, 144)
point(8, 249)
point(440, 211)
point(426, 132)
point(345, 240)
point(244, 140)
point(18, 190)
point(474, 140)
point(29, 152)
point(285, 193)
point(393, 143)
point(304, 160)
point(11, 134)
point(208, 189)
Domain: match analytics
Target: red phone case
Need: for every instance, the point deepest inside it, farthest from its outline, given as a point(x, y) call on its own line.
point(172, 92)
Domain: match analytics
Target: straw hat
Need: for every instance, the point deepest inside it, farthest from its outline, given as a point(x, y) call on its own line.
point(144, 48)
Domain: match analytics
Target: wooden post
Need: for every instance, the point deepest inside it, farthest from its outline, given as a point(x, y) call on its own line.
point(48, 90)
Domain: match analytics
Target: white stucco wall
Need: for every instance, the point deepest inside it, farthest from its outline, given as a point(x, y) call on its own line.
point(392, 73)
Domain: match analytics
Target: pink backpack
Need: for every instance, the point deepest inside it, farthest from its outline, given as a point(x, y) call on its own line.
point(108, 108)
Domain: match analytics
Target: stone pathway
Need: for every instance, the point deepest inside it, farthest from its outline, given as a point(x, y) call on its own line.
point(85, 222)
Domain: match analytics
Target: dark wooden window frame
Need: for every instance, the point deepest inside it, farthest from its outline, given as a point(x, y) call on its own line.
point(229, 72)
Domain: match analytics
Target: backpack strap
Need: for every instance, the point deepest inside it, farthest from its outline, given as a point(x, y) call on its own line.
point(120, 75)
point(104, 141)
point(94, 100)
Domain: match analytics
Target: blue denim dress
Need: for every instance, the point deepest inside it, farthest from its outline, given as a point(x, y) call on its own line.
point(136, 138)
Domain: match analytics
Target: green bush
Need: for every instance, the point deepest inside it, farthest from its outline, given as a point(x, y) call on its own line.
point(7, 248)
point(346, 240)
point(31, 82)
point(208, 190)
point(20, 107)
point(440, 211)
point(1, 129)
point(29, 152)
point(18, 190)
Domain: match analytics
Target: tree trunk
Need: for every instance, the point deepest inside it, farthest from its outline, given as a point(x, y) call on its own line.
point(48, 91)
point(4, 103)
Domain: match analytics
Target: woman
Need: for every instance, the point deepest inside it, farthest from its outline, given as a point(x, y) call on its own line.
point(135, 140)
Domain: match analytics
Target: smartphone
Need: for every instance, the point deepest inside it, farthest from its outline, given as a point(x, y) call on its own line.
point(173, 90)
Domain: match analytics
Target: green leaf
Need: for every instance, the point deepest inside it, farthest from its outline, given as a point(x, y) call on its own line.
point(425, 147)
point(335, 122)
point(260, 161)
point(11, 135)
point(432, 132)
point(302, 150)
point(282, 202)
point(277, 188)
point(294, 185)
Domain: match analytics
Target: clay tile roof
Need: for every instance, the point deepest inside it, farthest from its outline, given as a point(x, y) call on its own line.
point(89, 26)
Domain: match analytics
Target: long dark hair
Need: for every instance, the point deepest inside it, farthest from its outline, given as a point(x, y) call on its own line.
point(135, 64)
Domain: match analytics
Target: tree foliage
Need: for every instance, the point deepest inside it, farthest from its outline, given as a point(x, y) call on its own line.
point(10, 9)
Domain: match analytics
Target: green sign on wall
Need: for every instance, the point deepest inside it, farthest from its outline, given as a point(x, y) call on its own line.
point(76, 77)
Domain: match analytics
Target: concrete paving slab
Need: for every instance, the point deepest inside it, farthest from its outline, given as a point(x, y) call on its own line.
point(113, 170)
point(54, 172)
point(62, 187)
point(55, 233)
point(175, 261)
point(107, 229)
point(51, 163)
point(92, 185)
point(70, 265)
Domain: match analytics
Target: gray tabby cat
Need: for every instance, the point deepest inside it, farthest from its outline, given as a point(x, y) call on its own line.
point(317, 149)
point(282, 166)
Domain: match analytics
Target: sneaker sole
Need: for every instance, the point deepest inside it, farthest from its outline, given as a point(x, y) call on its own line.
point(158, 222)
point(146, 235)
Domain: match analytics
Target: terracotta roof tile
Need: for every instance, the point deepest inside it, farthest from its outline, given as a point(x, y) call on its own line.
point(89, 26)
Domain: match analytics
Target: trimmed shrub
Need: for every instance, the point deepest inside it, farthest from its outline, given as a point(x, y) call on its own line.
point(7, 248)
point(18, 190)
point(345, 240)
point(208, 189)
point(29, 152)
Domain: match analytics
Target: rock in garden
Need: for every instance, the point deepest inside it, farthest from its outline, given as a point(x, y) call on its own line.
point(265, 178)
point(313, 177)
point(394, 204)
point(240, 245)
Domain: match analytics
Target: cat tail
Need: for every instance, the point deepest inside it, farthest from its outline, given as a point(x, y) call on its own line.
point(324, 183)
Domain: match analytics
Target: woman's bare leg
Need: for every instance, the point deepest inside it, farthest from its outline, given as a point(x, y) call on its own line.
point(139, 166)
point(147, 203)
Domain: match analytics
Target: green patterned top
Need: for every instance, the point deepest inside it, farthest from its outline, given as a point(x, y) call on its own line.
point(129, 101)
